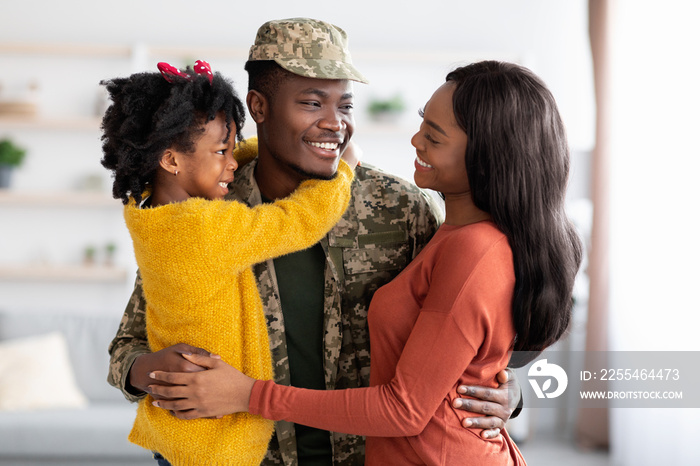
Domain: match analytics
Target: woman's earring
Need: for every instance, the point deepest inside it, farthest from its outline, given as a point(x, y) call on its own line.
point(176, 172)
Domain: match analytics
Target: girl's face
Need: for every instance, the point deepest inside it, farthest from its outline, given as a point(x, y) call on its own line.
point(208, 170)
point(440, 147)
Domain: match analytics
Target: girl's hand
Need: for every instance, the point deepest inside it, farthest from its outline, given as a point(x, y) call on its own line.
point(220, 390)
point(352, 154)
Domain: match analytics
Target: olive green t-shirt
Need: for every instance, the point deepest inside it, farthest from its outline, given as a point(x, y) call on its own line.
point(300, 277)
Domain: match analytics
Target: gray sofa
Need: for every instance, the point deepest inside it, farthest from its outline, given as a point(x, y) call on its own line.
point(96, 434)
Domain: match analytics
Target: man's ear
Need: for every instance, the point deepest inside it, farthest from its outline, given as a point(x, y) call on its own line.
point(257, 105)
point(169, 161)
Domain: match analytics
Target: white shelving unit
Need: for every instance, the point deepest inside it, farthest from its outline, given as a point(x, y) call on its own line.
point(39, 123)
point(47, 223)
point(67, 199)
point(48, 219)
point(64, 273)
point(82, 204)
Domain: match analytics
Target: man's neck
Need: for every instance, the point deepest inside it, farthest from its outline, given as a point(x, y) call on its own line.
point(274, 180)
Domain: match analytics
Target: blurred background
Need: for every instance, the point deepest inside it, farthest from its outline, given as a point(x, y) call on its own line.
point(625, 76)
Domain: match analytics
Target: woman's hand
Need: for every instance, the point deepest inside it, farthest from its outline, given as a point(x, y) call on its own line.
point(220, 390)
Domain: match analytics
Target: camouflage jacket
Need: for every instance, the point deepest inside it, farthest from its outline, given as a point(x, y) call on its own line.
point(387, 223)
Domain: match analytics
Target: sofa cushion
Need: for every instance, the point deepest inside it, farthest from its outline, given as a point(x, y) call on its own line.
point(36, 373)
point(88, 337)
point(100, 431)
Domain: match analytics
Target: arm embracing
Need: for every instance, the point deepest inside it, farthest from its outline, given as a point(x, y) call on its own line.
point(246, 151)
point(129, 343)
point(290, 224)
point(400, 408)
point(131, 359)
point(460, 312)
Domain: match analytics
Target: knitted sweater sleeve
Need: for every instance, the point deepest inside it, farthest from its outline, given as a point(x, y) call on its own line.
point(248, 235)
point(229, 235)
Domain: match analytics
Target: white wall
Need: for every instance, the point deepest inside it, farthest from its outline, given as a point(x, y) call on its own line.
point(406, 49)
point(655, 218)
point(402, 47)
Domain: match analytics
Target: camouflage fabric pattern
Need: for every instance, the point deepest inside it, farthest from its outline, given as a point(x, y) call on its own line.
point(129, 343)
point(306, 47)
point(386, 225)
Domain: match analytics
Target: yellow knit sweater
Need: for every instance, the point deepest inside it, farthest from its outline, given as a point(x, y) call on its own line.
point(195, 260)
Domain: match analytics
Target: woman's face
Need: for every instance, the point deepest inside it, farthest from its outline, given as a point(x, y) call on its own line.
point(208, 170)
point(440, 147)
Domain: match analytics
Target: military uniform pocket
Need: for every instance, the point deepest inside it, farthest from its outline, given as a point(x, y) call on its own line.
point(375, 258)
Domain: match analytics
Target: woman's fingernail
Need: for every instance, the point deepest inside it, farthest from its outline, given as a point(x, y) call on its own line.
point(458, 403)
point(467, 423)
point(155, 403)
point(152, 375)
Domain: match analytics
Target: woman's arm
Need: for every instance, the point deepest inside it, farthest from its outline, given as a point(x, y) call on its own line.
point(400, 408)
point(432, 362)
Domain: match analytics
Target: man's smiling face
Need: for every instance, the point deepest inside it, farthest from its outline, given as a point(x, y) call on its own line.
point(310, 123)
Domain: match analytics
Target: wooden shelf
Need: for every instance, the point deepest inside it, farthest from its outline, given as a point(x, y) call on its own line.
point(82, 50)
point(360, 53)
point(62, 273)
point(121, 51)
point(66, 199)
point(43, 123)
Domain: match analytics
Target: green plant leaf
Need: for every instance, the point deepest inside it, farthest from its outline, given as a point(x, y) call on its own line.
point(10, 154)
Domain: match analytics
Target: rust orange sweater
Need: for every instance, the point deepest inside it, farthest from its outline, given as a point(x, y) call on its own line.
point(444, 321)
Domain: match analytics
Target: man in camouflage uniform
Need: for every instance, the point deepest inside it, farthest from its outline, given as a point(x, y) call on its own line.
point(385, 226)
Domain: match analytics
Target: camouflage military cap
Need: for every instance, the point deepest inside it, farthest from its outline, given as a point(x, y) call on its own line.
point(306, 47)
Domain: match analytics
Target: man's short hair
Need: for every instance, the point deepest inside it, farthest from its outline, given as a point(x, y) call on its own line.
point(265, 76)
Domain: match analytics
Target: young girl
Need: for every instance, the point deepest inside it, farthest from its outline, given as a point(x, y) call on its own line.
point(168, 139)
point(497, 276)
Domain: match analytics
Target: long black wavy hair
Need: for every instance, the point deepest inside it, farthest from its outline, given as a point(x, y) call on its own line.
point(517, 159)
point(149, 115)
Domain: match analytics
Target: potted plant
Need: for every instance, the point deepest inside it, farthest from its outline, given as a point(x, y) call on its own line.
point(110, 250)
point(89, 254)
point(11, 156)
point(386, 109)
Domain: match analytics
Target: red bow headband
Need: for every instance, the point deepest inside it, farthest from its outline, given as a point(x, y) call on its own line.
point(170, 73)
